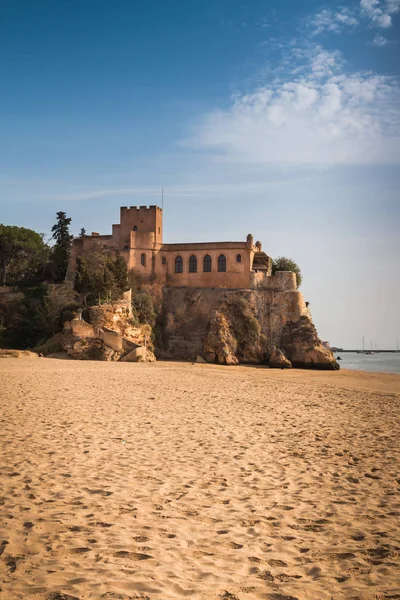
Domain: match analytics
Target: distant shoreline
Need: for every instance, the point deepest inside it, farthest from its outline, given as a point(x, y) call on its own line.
point(367, 351)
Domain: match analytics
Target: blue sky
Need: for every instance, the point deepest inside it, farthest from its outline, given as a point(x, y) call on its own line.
point(277, 118)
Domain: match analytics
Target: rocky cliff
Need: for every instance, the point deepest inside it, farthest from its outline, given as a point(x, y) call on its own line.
point(267, 326)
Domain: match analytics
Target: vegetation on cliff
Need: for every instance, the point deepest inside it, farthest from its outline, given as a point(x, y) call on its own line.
point(23, 255)
point(28, 318)
point(287, 264)
point(100, 276)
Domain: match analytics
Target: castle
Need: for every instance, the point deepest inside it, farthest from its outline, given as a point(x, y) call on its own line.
point(220, 301)
point(139, 239)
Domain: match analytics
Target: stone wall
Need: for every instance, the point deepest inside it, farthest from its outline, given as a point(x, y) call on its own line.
point(282, 281)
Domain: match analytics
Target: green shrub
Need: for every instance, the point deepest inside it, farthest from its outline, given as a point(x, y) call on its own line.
point(287, 264)
point(143, 307)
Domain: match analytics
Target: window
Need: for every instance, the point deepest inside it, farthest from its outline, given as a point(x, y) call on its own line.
point(159, 230)
point(164, 260)
point(143, 259)
point(207, 264)
point(238, 258)
point(192, 264)
point(135, 228)
point(178, 264)
point(221, 263)
point(126, 247)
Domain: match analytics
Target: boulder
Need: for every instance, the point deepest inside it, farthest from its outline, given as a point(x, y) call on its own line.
point(304, 349)
point(200, 359)
point(88, 349)
point(277, 359)
point(210, 357)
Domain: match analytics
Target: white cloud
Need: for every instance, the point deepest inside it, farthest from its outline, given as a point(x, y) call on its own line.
point(333, 21)
point(322, 116)
point(379, 13)
point(379, 41)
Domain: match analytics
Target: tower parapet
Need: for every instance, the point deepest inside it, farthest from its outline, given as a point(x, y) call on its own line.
point(143, 219)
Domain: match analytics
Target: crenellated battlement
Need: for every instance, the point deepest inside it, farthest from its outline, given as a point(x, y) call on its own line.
point(152, 207)
point(141, 220)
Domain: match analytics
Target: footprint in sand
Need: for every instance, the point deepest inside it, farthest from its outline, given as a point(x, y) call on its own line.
point(132, 555)
point(103, 493)
point(11, 563)
point(61, 596)
point(3, 545)
point(276, 563)
point(266, 576)
point(284, 577)
point(80, 550)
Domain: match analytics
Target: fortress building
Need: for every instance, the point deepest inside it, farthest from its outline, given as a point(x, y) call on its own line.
point(139, 239)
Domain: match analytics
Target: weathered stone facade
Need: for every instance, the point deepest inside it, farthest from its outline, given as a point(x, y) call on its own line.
point(138, 237)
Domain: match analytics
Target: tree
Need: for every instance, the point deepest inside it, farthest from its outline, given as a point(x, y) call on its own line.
point(82, 232)
point(61, 249)
point(100, 276)
point(143, 307)
point(23, 254)
point(120, 272)
point(283, 263)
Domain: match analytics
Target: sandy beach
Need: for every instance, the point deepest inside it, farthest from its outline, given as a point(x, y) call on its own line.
point(167, 480)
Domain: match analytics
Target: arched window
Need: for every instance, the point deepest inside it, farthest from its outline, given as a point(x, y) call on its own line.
point(164, 260)
point(238, 258)
point(207, 264)
point(221, 263)
point(126, 247)
point(193, 264)
point(143, 259)
point(178, 264)
point(135, 228)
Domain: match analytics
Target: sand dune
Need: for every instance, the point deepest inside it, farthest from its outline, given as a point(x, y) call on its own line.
point(165, 481)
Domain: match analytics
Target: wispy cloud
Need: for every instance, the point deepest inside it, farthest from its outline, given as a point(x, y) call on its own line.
point(377, 13)
point(316, 115)
point(332, 20)
point(380, 41)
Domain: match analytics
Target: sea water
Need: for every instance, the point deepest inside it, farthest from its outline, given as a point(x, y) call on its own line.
point(383, 362)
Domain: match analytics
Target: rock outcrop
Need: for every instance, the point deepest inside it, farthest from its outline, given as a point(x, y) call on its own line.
point(302, 346)
point(277, 360)
point(263, 326)
point(220, 346)
point(111, 336)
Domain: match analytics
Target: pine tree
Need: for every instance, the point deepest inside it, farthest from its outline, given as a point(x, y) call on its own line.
point(62, 247)
point(120, 272)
